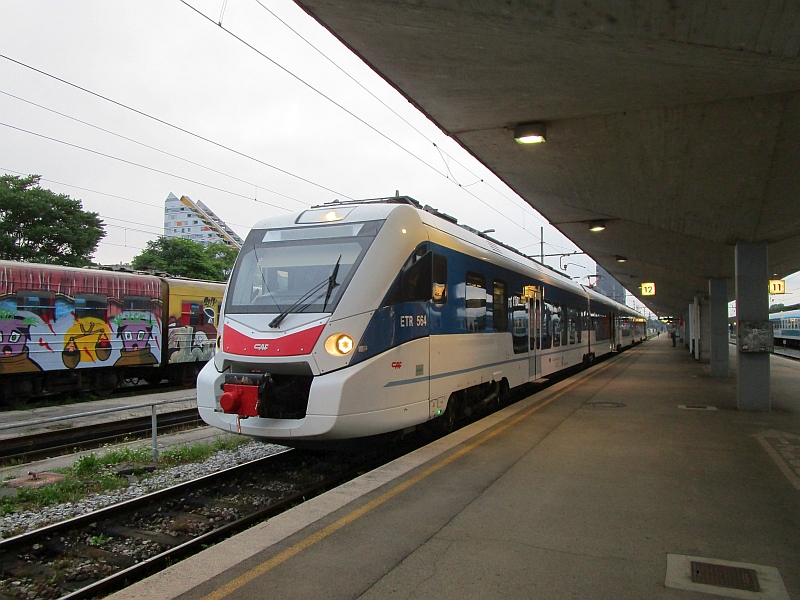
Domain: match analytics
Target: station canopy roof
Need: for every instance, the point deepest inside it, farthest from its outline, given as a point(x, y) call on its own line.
point(676, 123)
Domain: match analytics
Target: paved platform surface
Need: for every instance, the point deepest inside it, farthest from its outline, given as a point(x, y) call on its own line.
point(590, 489)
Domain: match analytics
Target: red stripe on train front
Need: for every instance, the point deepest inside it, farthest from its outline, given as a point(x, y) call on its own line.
point(288, 345)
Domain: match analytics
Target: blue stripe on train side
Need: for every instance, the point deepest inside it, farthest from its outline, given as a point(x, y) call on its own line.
point(390, 327)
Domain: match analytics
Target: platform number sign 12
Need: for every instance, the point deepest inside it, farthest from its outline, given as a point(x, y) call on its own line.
point(777, 286)
point(648, 289)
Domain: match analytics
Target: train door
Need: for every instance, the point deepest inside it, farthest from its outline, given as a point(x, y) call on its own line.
point(535, 332)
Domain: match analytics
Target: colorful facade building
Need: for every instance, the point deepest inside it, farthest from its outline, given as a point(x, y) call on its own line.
point(183, 217)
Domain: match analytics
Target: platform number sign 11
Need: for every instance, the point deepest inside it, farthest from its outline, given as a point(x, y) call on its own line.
point(648, 289)
point(777, 286)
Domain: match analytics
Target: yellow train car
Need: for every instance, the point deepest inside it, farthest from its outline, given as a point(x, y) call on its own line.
point(192, 318)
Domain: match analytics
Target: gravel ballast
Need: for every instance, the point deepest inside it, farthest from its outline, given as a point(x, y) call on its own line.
point(22, 522)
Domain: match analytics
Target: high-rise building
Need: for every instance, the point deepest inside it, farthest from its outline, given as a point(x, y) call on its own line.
point(195, 221)
point(608, 286)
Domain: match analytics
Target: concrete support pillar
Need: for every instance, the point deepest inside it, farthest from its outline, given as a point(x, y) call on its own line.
point(752, 304)
point(694, 328)
point(703, 330)
point(718, 320)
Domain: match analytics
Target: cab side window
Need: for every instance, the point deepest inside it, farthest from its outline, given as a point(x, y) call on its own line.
point(413, 284)
point(439, 284)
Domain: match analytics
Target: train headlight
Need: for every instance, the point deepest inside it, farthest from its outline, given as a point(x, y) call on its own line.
point(339, 344)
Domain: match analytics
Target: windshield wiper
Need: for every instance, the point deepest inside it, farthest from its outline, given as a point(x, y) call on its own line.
point(316, 289)
point(332, 283)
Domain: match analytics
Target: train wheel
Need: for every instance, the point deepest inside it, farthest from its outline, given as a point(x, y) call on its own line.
point(154, 379)
point(505, 391)
point(447, 422)
point(189, 374)
point(105, 384)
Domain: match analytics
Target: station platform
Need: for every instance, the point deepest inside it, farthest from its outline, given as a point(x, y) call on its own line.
point(606, 485)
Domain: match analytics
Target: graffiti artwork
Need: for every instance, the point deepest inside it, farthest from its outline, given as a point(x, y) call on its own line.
point(14, 337)
point(69, 319)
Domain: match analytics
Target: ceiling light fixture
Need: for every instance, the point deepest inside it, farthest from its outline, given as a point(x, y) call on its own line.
point(621, 259)
point(529, 133)
point(597, 226)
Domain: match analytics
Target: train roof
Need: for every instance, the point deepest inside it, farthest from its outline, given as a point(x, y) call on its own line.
point(786, 314)
point(381, 208)
point(13, 266)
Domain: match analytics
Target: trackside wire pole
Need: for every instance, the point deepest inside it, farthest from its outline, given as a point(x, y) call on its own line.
point(154, 424)
point(541, 245)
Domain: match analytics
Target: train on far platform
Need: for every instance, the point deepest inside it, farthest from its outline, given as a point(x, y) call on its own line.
point(64, 329)
point(355, 319)
point(786, 329)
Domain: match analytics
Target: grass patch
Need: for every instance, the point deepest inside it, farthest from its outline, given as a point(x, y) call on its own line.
point(178, 455)
point(96, 474)
point(117, 456)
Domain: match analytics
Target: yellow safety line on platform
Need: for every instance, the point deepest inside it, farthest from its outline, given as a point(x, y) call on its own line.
point(278, 559)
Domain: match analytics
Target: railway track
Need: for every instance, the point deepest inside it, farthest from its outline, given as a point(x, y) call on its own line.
point(94, 554)
point(788, 353)
point(46, 444)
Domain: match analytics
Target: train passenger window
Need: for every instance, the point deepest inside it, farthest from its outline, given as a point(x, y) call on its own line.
point(519, 323)
point(142, 303)
point(571, 328)
point(584, 324)
point(191, 313)
point(475, 300)
point(536, 325)
point(499, 312)
point(40, 303)
point(91, 305)
point(547, 325)
point(558, 325)
point(439, 292)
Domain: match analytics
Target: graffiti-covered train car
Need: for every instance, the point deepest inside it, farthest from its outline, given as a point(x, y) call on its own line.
point(65, 329)
point(192, 323)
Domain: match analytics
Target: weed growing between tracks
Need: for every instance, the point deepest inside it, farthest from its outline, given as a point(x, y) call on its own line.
point(92, 474)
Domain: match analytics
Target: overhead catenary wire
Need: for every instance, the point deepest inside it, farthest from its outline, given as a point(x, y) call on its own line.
point(135, 164)
point(346, 110)
point(173, 126)
point(188, 132)
point(398, 115)
point(311, 87)
point(108, 131)
point(85, 189)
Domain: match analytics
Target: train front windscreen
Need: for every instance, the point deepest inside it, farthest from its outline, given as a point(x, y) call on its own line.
point(299, 269)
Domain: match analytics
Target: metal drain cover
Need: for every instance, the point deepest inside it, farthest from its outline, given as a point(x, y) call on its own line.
point(605, 404)
point(737, 578)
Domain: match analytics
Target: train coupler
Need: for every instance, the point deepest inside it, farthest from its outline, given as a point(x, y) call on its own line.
point(241, 395)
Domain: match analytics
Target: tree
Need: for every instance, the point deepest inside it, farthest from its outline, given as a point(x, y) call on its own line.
point(223, 257)
point(185, 258)
point(38, 225)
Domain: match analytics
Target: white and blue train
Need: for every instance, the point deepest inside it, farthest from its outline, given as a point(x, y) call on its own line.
point(786, 329)
point(356, 319)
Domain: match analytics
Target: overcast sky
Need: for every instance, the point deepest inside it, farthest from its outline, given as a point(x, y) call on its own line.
point(317, 124)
